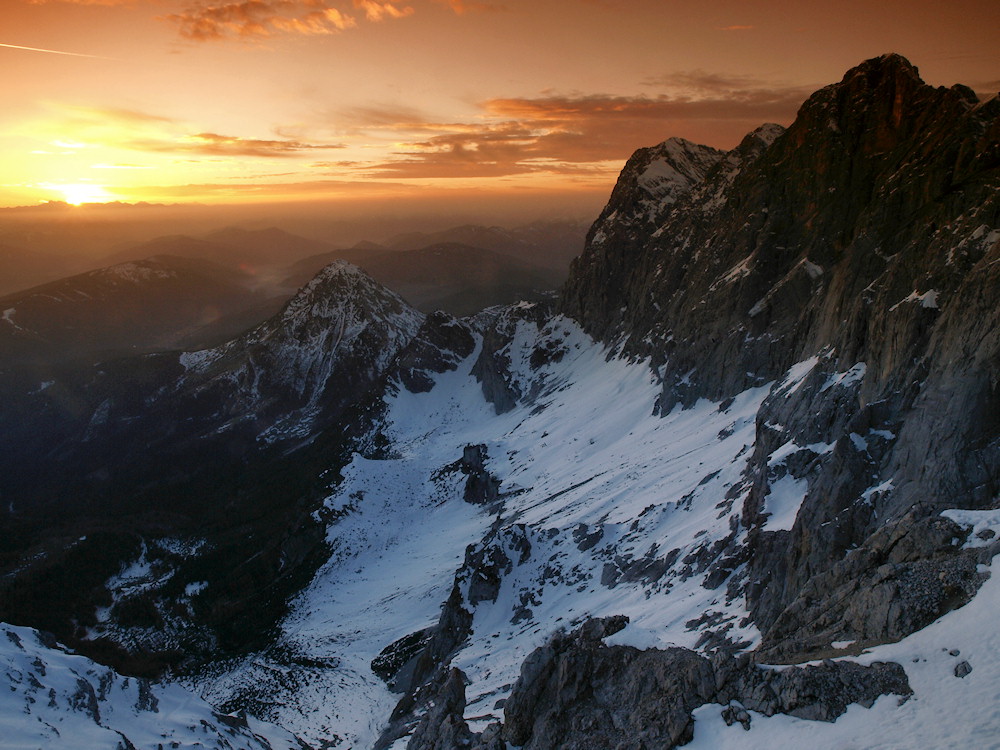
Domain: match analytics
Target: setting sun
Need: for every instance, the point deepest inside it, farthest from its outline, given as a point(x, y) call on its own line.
point(80, 193)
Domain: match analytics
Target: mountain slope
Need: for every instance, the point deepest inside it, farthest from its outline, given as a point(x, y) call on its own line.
point(197, 469)
point(67, 701)
point(784, 289)
point(548, 244)
point(145, 305)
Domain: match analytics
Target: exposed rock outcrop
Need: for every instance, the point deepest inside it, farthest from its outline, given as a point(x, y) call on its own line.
point(440, 344)
point(577, 693)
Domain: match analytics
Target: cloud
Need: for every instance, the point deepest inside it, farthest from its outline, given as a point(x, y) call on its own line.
point(212, 20)
point(702, 81)
point(737, 27)
point(213, 144)
point(582, 134)
point(117, 114)
point(253, 19)
point(461, 7)
point(379, 11)
point(259, 18)
point(142, 131)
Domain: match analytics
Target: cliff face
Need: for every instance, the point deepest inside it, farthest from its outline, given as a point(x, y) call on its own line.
point(861, 244)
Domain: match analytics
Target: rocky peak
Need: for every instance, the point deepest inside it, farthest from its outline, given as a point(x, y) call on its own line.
point(342, 330)
point(657, 177)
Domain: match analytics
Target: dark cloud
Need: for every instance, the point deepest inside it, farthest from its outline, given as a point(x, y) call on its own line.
point(708, 82)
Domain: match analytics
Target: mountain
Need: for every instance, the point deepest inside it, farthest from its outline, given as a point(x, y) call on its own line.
point(460, 279)
point(258, 253)
point(155, 303)
point(737, 487)
point(852, 257)
point(20, 268)
point(65, 700)
point(549, 244)
point(197, 469)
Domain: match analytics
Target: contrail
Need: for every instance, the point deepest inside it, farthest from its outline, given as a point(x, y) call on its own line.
point(54, 51)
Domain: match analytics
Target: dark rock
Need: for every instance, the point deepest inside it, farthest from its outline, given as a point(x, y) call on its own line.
point(905, 576)
point(736, 713)
point(392, 661)
point(585, 539)
point(963, 669)
point(481, 487)
point(820, 692)
point(443, 727)
point(492, 368)
point(440, 344)
point(575, 692)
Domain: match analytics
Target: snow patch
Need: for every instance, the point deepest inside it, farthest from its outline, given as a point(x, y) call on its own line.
point(928, 299)
point(782, 503)
point(984, 525)
point(796, 375)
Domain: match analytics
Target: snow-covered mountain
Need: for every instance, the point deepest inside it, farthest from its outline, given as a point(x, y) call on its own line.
point(54, 698)
point(737, 487)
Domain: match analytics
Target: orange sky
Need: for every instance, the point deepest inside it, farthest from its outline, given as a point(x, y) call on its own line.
point(270, 100)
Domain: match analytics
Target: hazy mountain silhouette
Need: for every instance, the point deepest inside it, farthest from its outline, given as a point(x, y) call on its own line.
point(450, 276)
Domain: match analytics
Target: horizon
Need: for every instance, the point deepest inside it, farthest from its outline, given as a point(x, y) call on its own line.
point(433, 103)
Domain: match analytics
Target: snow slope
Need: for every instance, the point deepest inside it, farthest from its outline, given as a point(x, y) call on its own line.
point(586, 458)
point(946, 710)
point(56, 699)
point(606, 509)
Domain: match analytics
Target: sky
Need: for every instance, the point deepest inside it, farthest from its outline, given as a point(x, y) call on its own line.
point(244, 101)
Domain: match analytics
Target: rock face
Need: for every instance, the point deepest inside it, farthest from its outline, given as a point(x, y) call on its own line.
point(862, 244)
point(901, 579)
point(440, 344)
point(575, 692)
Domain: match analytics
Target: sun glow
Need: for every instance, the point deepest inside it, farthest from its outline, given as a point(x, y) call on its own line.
point(79, 193)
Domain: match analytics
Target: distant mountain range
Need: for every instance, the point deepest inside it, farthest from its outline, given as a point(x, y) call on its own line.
point(459, 279)
point(152, 304)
